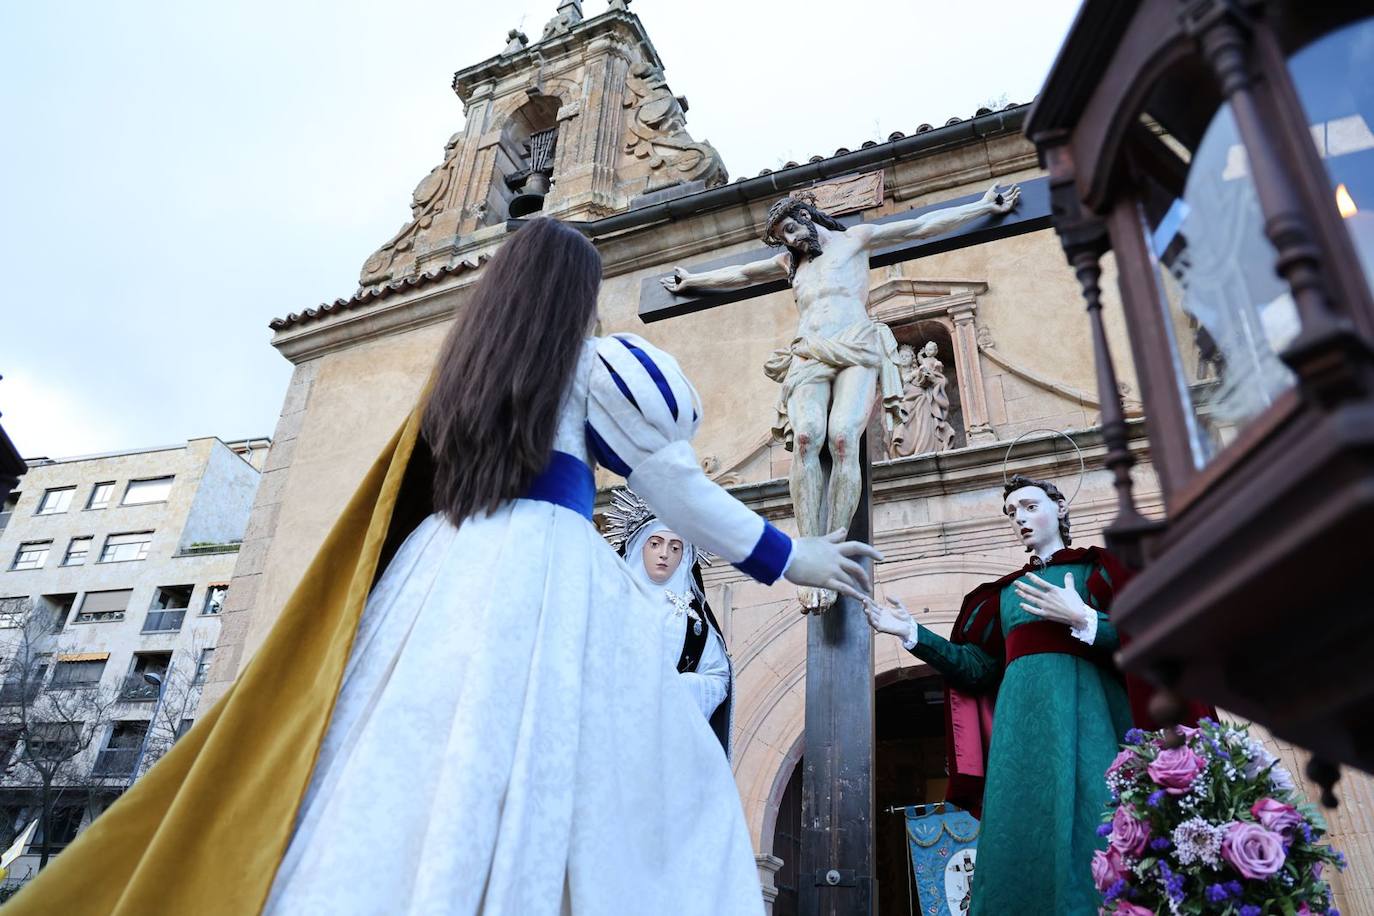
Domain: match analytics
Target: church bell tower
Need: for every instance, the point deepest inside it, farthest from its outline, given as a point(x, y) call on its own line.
point(576, 124)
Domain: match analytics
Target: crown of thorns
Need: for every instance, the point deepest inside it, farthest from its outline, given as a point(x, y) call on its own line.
point(800, 205)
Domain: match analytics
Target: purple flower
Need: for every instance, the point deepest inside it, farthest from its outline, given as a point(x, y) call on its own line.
point(1160, 843)
point(1129, 835)
point(1135, 736)
point(1317, 871)
point(1340, 861)
point(1277, 816)
point(1176, 768)
point(1173, 884)
point(1104, 829)
point(1155, 798)
point(1130, 909)
point(1249, 910)
point(1108, 869)
point(1116, 890)
point(1234, 888)
point(1254, 851)
point(1122, 758)
point(1216, 893)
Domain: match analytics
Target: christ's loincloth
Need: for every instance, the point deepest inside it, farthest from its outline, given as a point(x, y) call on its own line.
point(814, 359)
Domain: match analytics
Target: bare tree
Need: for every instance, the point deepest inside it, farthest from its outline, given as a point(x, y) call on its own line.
point(176, 704)
point(53, 727)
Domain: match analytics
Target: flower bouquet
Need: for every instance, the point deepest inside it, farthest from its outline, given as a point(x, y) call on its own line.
point(1213, 826)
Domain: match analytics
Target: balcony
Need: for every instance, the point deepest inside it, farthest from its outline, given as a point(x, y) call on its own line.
point(116, 762)
point(164, 621)
point(137, 690)
point(18, 694)
point(99, 616)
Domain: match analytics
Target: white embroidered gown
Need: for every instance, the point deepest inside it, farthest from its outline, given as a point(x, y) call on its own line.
point(509, 739)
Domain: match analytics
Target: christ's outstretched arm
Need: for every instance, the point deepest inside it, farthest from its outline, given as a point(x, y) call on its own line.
point(938, 222)
point(736, 277)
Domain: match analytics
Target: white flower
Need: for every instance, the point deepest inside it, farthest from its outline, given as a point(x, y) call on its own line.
point(1195, 840)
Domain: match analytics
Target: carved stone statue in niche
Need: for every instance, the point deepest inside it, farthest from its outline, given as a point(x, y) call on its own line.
point(658, 133)
point(924, 403)
point(428, 199)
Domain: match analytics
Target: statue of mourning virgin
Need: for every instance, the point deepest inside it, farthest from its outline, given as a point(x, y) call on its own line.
point(668, 567)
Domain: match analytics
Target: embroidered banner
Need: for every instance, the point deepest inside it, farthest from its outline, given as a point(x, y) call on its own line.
point(943, 840)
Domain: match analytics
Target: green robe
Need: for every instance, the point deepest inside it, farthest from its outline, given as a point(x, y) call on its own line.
point(1059, 723)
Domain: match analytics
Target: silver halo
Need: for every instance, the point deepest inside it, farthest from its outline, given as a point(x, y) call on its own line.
point(1082, 465)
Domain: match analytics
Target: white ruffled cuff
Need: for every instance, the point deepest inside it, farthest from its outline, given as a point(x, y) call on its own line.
point(912, 635)
point(1088, 632)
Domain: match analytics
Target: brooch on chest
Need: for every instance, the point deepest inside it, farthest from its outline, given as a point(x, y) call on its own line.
point(682, 606)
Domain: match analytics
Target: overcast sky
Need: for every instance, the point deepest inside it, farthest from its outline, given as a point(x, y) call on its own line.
point(173, 175)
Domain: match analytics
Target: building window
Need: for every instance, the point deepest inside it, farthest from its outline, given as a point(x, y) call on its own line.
point(31, 555)
point(203, 666)
point(56, 500)
point(183, 727)
point(99, 607)
point(152, 490)
point(66, 822)
point(146, 676)
point(55, 741)
point(13, 611)
point(119, 756)
point(22, 686)
point(9, 742)
point(77, 674)
point(77, 548)
point(7, 510)
point(168, 609)
point(120, 548)
point(101, 494)
point(59, 609)
point(214, 599)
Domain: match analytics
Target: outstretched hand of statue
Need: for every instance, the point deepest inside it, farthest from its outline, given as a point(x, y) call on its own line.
point(676, 281)
point(892, 617)
point(1002, 201)
point(1052, 602)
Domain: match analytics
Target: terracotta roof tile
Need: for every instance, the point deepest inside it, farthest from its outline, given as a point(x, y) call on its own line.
point(373, 293)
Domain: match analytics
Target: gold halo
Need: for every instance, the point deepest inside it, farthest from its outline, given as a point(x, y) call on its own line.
point(1082, 465)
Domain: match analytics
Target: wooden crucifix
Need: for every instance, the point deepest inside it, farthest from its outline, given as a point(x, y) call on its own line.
point(838, 376)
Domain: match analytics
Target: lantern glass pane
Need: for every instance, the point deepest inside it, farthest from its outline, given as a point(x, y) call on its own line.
point(1228, 315)
point(1334, 77)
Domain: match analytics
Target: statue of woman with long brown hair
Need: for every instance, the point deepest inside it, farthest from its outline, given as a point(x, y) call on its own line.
point(461, 709)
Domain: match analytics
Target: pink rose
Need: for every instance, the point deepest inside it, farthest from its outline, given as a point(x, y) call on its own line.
point(1175, 769)
point(1123, 758)
point(1128, 835)
point(1277, 816)
point(1254, 851)
point(1107, 868)
point(1125, 908)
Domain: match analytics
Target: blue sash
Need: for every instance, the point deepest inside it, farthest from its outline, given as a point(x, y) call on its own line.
point(566, 481)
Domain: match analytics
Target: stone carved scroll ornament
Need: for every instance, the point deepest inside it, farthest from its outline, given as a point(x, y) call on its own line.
point(397, 256)
point(658, 133)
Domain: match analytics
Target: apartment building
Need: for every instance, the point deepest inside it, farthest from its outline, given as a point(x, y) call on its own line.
point(113, 573)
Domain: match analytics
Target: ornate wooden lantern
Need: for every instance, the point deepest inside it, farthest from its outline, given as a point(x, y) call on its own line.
point(1223, 152)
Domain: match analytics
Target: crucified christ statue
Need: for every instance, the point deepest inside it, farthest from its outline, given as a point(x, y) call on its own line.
point(841, 360)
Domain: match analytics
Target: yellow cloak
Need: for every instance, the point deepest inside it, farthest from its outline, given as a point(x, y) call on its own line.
point(204, 830)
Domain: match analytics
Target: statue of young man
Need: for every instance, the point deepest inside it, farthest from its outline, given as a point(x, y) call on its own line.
point(840, 357)
point(1037, 641)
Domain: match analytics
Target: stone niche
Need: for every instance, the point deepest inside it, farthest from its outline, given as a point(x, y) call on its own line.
point(943, 311)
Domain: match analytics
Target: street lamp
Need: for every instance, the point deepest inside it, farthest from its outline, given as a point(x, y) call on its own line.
point(155, 680)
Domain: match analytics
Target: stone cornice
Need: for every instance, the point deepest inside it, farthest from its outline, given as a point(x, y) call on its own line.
point(376, 311)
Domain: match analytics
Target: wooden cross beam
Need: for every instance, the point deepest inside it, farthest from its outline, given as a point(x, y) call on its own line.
point(1032, 213)
point(836, 874)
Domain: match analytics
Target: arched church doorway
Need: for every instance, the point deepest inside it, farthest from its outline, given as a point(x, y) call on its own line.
point(908, 769)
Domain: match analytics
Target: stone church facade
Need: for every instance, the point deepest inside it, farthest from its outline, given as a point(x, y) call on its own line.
point(584, 116)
